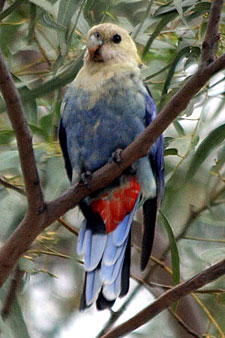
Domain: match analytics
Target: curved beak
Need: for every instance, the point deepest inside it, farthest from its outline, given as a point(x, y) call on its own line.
point(93, 45)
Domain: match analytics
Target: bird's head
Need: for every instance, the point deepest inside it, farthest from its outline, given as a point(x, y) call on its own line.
point(108, 43)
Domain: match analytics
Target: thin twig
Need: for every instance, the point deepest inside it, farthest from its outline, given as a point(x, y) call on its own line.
point(68, 226)
point(212, 33)
point(168, 287)
point(15, 283)
point(184, 325)
point(11, 186)
point(167, 299)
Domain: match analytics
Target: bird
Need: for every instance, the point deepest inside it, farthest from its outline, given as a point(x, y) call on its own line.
point(105, 108)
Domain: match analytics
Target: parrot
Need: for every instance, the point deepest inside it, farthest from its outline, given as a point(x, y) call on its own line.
point(104, 109)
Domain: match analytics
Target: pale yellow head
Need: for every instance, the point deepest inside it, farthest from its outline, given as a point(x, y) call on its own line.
point(108, 43)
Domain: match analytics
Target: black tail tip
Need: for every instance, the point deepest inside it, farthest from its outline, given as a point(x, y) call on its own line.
point(103, 303)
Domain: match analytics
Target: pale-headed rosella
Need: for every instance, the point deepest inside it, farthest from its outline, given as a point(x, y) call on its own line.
point(106, 107)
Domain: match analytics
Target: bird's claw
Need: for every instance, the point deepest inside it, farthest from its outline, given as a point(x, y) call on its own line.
point(85, 179)
point(116, 157)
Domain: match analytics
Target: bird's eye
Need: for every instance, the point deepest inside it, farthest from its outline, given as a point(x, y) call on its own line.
point(116, 38)
point(97, 35)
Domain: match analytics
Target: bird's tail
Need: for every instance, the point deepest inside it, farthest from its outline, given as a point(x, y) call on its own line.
point(106, 262)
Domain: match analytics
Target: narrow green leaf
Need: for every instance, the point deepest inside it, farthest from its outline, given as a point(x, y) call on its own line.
point(59, 81)
point(213, 140)
point(201, 7)
point(28, 267)
point(220, 298)
point(168, 140)
point(16, 321)
point(44, 4)
point(6, 136)
point(14, 325)
point(179, 128)
point(180, 55)
point(46, 125)
point(10, 9)
point(174, 251)
point(212, 256)
point(9, 160)
point(170, 151)
point(221, 157)
point(73, 27)
point(168, 8)
point(48, 21)
point(67, 8)
point(178, 6)
point(31, 28)
point(162, 23)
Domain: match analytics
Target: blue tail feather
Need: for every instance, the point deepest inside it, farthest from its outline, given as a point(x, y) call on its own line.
point(104, 262)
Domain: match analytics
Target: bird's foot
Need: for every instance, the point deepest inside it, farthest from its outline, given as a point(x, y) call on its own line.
point(86, 178)
point(116, 157)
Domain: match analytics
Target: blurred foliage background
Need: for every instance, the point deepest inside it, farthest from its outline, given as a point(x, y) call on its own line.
point(43, 43)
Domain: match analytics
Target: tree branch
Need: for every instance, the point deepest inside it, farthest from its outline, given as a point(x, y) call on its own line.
point(15, 284)
point(167, 299)
point(8, 185)
point(23, 137)
point(212, 33)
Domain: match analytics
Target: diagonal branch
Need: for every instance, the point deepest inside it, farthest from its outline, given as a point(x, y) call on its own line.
point(168, 298)
point(23, 137)
point(8, 185)
point(212, 33)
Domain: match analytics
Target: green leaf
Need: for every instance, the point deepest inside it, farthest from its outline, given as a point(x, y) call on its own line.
point(67, 8)
point(31, 29)
point(170, 151)
point(28, 267)
point(14, 325)
point(48, 21)
point(220, 298)
point(184, 52)
point(6, 136)
point(16, 321)
point(221, 156)
point(44, 4)
point(162, 23)
point(10, 9)
point(213, 140)
point(214, 255)
point(179, 128)
point(31, 111)
point(202, 7)
point(178, 6)
point(60, 80)
point(9, 160)
point(174, 250)
point(46, 125)
point(168, 140)
point(168, 8)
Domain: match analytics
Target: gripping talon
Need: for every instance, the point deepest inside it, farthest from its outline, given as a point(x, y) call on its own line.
point(86, 178)
point(116, 157)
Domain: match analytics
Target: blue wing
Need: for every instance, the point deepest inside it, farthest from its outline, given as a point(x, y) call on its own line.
point(63, 144)
point(151, 206)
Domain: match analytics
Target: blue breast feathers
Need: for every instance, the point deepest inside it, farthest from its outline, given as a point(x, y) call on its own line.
point(96, 129)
